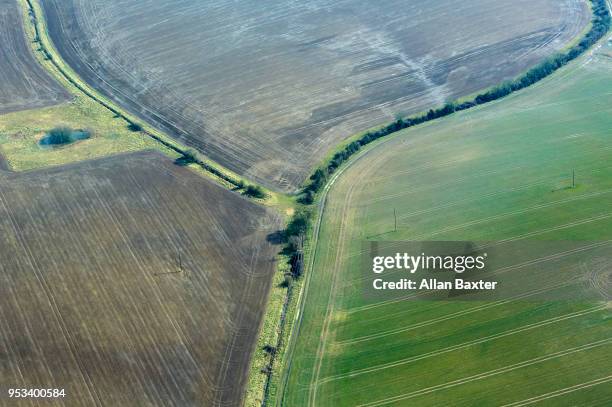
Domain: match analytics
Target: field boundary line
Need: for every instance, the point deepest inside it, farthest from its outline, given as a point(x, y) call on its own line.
point(303, 292)
point(560, 392)
point(302, 297)
point(490, 373)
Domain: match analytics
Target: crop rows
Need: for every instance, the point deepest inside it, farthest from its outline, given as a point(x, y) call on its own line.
point(130, 281)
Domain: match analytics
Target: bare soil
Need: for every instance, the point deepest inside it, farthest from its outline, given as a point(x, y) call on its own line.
point(130, 281)
point(24, 84)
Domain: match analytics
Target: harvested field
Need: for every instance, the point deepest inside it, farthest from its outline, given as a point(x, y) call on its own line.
point(501, 172)
point(268, 89)
point(130, 281)
point(24, 84)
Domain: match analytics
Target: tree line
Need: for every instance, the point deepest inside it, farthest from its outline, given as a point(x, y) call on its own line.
point(300, 223)
point(600, 24)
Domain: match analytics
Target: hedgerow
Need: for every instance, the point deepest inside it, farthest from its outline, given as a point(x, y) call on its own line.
point(600, 24)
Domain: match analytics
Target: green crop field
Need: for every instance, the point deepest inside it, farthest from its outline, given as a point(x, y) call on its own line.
point(499, 172)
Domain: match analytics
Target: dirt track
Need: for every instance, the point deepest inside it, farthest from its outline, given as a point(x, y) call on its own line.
point(23, 82)
point(268, 90)
point(130, 281)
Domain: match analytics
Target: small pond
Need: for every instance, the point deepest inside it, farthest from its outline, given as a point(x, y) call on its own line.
point(61, 137)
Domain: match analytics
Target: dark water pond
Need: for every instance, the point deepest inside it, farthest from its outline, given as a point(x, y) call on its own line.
point(58, 138)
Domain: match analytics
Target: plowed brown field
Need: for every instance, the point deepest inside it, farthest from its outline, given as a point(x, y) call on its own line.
point(23, 82)
point(130, 281)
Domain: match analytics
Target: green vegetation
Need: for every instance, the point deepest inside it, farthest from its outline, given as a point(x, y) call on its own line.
point(499, 171)
point(268, 338)
point(190, 156)
point(310, 98)
point(21, 134)
point(134, 127)
point(254, 191)
point(600, 24)
point(299, 226)
point(58, 135)
point(277, 383)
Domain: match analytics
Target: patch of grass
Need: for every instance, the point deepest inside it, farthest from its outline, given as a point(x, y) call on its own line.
point(21, 134)
point(100, 106)
point(268, 337)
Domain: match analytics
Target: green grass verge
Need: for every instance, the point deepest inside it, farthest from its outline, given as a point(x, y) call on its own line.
point(20, 133)
point(268, 336)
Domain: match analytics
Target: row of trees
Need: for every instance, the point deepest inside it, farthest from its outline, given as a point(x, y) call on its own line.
point(600, 25)
point(191, 156)
point(295, 235)
point(296, 230)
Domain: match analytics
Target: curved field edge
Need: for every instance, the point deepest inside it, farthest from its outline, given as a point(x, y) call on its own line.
point(575, 135)
point(466, 98)
point(597, 223)
point(280, 374)
point(91, 105)
point(599, 26)
point(52, 61)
